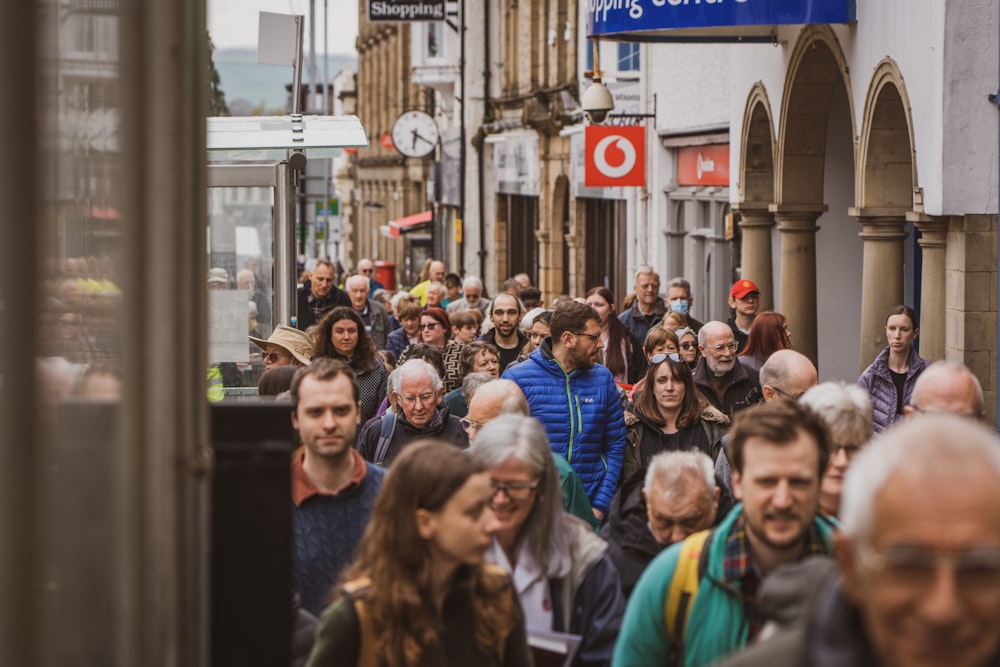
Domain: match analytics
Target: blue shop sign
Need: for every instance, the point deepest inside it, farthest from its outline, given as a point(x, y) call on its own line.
point(670, 20)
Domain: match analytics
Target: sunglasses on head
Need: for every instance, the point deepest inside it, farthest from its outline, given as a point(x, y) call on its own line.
point(663, 356)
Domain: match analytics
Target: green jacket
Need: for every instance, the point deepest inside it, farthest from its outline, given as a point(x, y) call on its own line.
point(716, 624)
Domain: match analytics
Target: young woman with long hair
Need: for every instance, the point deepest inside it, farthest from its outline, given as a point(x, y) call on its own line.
point(669, 413)
point(420, 592)
point(890, 378)
point(342, 336)
point(622, 350)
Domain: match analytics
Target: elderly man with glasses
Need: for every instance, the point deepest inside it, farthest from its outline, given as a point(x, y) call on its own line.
point(727, 384)
point(367, 269)
point(420, 414)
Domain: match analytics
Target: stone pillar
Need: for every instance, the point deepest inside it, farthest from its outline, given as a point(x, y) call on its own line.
point(755, 260)
point(933, 243)
point(881, 278)
point(797, 225)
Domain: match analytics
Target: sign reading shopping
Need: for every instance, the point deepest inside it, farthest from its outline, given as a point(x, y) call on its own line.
point(406, 10)
point(651, 20)
point(614, 156)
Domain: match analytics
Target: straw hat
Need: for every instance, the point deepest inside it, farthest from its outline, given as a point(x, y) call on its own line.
point(296, 343)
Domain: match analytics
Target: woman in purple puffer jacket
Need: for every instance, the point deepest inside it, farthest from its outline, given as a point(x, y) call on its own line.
point(890, 378)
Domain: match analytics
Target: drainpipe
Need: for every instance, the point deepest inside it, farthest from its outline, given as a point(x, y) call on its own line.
point(482, 145)
point(995, 99)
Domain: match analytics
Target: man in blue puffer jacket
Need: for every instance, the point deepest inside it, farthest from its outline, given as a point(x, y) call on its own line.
point(577, 400)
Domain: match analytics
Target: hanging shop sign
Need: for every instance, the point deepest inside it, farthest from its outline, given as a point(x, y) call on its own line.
point(615, 156)
point(703, 165)
point(675, 20)
point(406, 10)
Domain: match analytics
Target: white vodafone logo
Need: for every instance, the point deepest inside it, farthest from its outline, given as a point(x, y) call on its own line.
point(601, 158)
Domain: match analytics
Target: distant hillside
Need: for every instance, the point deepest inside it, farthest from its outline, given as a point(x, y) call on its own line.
point(250, 87)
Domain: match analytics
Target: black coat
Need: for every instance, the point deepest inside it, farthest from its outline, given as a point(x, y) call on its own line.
point(305, 316)
point(630, 544)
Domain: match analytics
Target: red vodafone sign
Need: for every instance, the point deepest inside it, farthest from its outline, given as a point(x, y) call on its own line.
point(614, 156)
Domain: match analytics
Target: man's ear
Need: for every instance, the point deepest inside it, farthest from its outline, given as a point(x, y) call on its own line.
point(768, 392)
point(295, 420)
point(732, 303)
point(737, 485)
point(425, 523)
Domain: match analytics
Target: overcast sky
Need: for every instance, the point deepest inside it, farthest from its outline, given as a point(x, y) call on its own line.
point(233, 23)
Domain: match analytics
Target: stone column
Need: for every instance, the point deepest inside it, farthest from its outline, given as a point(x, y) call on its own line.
point(933, 242)
point(755, 225)
point(882, 275)
point(797, 225)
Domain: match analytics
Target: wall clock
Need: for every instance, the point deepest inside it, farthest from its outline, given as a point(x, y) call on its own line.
point(415, 133)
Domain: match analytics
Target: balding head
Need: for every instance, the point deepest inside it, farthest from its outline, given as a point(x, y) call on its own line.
point(787, 374)
point(437, 271)
point(492, 399)
point(947, 387)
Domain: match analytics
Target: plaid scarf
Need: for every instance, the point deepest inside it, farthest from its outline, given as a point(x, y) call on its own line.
point(739, 569)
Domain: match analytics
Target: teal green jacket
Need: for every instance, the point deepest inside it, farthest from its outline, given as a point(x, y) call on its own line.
point(716, 625)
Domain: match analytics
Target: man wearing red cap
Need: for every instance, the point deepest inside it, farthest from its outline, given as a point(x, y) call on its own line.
point(744, 299)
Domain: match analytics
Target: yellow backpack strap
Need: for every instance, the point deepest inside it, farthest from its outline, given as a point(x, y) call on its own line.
point(357, 592)
point(683, 589)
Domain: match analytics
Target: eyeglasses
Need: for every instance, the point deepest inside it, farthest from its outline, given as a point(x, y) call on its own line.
point(470, 425)
point(976, 571)
point(423, 399)
point(663, 356)
point(430, 326)
point(731, 346)
point(365, 270)
point(271, 357)
point(850, 451)
point(472, 297)
point(791, 397)
point(688, 346)
point(591, 336)
point(514, 490)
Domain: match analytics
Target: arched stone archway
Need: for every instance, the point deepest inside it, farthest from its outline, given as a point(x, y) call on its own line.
point(885, 187)
point(816, 105)
point(757, 193)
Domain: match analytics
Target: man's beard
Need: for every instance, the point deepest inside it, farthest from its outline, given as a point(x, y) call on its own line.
point(720, 368)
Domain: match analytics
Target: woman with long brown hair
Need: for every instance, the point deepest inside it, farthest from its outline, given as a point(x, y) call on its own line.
point(342, 336)
point(419, 592)
point(669, 413)
point(622, 350)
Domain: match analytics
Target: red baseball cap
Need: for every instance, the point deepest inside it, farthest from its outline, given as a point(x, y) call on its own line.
point(743, 287)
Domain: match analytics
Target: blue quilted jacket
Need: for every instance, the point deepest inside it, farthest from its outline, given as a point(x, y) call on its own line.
point(582, 414)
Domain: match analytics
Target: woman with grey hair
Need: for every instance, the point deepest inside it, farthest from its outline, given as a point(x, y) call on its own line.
point(847, 413)
point(561, 569)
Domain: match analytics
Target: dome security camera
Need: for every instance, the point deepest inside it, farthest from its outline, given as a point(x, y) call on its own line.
point(597, 102)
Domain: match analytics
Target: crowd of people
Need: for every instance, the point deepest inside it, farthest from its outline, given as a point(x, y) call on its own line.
point(483, 479)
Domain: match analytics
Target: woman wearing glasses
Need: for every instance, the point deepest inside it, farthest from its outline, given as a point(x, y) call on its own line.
point(560, 568)
point(622, 352)
point(435, 329)
point(669, 414)
point(342, 336)
point(658, 341)
point(768, 334)
point(420, 592)
point(687, 341)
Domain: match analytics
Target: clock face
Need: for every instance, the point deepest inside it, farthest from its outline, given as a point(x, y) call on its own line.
point(415, 133)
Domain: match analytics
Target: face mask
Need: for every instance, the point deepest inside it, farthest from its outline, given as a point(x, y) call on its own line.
point(679, 306)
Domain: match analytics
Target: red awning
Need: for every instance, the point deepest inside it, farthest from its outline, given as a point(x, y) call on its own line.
point(396, 227)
